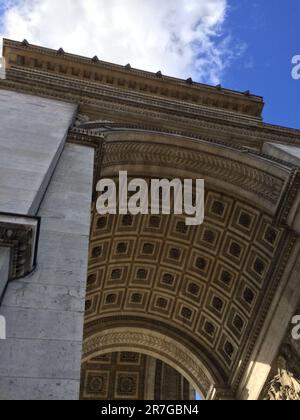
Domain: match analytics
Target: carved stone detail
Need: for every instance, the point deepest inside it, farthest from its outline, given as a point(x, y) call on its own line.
point(108, 100)
point(251, 179)
point(21, 239)
point(76, 80)
point(115, 339)
point(110, 74)
point(285, 386)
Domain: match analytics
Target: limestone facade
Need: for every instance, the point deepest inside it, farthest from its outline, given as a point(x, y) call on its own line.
point(116, 304)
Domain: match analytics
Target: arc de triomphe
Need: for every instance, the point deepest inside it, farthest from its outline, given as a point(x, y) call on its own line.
point(143, 307)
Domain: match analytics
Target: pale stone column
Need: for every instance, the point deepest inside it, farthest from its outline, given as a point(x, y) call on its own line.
point(150, 379)
point(41, 357)
point(51, 181)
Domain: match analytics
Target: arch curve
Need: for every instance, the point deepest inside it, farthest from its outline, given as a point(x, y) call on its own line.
point(213, 283)
point(152, 343)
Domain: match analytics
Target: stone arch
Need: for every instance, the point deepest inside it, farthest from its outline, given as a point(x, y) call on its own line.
point(254, 177)
point(213, 283)
point(154, 344)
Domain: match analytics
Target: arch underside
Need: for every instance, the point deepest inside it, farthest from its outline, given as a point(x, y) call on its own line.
point(191, 296)
point(127, 375)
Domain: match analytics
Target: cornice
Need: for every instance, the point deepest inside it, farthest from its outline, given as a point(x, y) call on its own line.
point(232, 129)
point(98, 128)
point(104, 92)
point(59, 62)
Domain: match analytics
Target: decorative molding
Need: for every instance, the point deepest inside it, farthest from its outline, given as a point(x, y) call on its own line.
point(20, 234)
point(138, 100)
point(236, 131)
point(250, 179)
point(120, 152)
point(231, 132)
point(291, 190)
point(281, 259)
point(85, 125)
point(280, 192)
point(236, 241)
point(141, 106)
point(154, 344)
point(58, 62)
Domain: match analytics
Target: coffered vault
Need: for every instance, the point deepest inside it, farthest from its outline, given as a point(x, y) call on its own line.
point(208, 287)
point(212, 302)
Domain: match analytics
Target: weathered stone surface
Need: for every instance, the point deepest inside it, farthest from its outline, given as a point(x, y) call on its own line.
point(32, 136)
point(39, 296)
point(44, 311)
point(41, 324)
point(44, 359)
point(225, 291)
point(60, 248)
point(52, 389)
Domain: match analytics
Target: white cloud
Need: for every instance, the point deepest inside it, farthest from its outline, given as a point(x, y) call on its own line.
point(180, 37)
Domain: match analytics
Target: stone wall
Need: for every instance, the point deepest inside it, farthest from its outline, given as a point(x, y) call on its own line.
point(42, 176)
point(44, 312)
point(33, 132)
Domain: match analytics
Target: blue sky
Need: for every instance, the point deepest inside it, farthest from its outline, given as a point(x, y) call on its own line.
point(271, 31)
point(242, 44)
